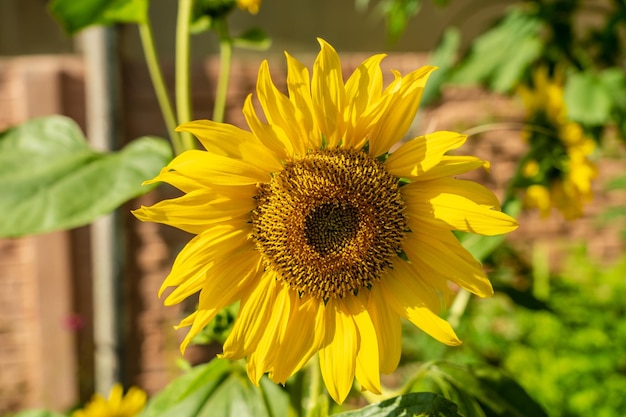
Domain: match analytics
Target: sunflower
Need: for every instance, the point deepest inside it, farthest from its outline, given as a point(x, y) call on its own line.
point(559, 171)
point(251, 6)
point(324, 237)
point(117, 405)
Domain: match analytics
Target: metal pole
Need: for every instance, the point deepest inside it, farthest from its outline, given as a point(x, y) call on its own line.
point(99, 49)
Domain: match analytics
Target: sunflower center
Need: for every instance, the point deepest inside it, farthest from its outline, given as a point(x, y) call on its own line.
point(330, 222)
point(329, 227)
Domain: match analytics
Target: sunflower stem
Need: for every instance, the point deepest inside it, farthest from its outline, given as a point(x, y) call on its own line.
point(158, 83)
point(458, 307)
point(226, 53)
point(183, 84)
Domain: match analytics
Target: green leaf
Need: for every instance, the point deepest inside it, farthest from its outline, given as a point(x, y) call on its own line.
point(499, 57)
point(254, 38)
point(469, 386)
point(218, 388)
point(523, 298)
point(614, 81)
point(76, 15)
point(419, 404)
point(38, 413)
point(51, 179)
point(444, 57)
point(588, 100)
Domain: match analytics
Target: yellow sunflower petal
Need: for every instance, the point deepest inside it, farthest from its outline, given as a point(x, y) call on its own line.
point(202, 250)
point(228, 140)
point(177, 180)
point(207, 168)
point(456, 204)
point(388, 330)
point(363, 89)
point(328, 93)
point(254, 314)
point(417, 156)
point(411, 306)
point(303, 338)
point(279, 110)
point(405, 94)
point(443, 254)
point(220, 291)
point(450, 166)
point(338, 355)
point(273, 334)
point(299, 88)
point(272, 136)
point(198, 210)
point(367, 369)
point(239, 262)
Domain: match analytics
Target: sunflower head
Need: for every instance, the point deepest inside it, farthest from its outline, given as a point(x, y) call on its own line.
point(116, 405)
point(558, 170)
point(325, 237)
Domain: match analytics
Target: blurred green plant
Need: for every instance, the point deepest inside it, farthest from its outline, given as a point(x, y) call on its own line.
point(568, 350)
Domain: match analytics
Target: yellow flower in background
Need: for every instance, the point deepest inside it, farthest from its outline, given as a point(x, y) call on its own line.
point(251, 6)
point(325, 238)
point(116, 405)
point(560, 171)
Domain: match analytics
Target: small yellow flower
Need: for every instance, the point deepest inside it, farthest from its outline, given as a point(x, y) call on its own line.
point(251, 6)
point(539, 196)
point(325, 237)
point(561, 170)
point(116, 405)
point(530, 169)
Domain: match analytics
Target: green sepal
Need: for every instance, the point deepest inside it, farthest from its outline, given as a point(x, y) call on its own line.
point(254, 39)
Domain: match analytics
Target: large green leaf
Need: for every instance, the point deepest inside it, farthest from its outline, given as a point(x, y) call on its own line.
point(51, 179)
point(418, 404)
point(219, 388)
point(75, 15)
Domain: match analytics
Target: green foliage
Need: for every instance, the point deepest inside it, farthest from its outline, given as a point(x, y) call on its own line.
point(38, 413)
point(77, 15)
point(51, 179)
point(218, 388)
point(477, 390)
point(569, 357)
point(421, 404)
point(499, 57)
point(589, 96)
point(218, 329)
point(443, 57)
point(396, 13)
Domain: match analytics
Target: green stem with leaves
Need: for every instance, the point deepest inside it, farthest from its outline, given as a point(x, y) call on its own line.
point(158, 83)
point(183, 84)
point(226, 53)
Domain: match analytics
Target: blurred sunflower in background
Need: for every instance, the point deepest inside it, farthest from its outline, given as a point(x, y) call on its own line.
point(557, 171)
point(116, 405)
point(251, 6)
point(324, 236)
